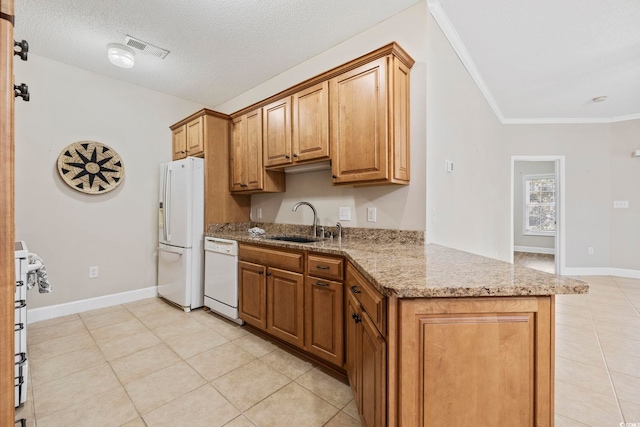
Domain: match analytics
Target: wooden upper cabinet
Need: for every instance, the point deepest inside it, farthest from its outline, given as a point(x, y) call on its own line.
point(311, 124)
point(195, 137)
point(246, 163)
point(253, 151)
point(296, 128)
point(370, 123)
point(277, 133)
point(188, 139)
point(206, 133)
point(179, 139)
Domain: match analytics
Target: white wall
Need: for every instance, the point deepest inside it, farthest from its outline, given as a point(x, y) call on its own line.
point(625, 185)
point(587, 182)
point(400, 207)
point(465, 209)
point(519, 171)
point(68, 229)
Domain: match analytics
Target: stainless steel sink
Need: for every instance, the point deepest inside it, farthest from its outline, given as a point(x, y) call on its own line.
point(293, 239)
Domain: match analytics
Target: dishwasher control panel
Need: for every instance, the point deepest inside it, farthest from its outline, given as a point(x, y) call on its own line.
point(223, 246)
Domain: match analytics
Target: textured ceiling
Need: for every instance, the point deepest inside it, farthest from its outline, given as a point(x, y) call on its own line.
point(545, 60)
point(535, 61)
point(219, 49)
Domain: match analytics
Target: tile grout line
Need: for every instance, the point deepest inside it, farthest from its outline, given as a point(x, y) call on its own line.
point(613, 387)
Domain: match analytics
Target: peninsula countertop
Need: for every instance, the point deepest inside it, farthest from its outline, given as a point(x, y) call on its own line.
point(415, 270)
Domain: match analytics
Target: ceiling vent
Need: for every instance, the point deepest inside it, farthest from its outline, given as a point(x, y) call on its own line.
point(146, 47)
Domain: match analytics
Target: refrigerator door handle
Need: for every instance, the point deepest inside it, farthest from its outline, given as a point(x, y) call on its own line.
point(164, 203)
point(177, 251)
point(167, 204)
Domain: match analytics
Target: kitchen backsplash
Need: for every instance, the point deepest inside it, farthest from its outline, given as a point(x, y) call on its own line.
point(377, 234)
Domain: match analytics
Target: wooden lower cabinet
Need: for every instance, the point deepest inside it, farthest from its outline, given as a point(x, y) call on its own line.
point(252, 294)
point(324, 332)
point(476, 361)
point(366, 364)
point(285, 305)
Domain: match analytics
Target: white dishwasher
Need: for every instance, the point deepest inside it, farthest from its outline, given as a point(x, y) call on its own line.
point(221, 277)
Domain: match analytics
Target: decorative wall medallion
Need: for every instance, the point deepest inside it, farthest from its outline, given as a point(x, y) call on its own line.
point(90, 167)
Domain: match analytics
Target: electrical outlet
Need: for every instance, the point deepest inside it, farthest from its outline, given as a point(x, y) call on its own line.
point(590, 250)
point(93, 272)
point(621, 204)
point(345, 214)
point(371, 214)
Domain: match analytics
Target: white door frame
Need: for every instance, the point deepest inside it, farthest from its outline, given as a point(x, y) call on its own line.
point(560, 205)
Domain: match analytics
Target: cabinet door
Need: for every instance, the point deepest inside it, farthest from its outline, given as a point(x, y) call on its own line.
point(359, 140)
point(353, 331)
point(324, 319)
point(285, 305)
point(237, 161)
point(253, 151)
point(373, 375)
point(457, 355)
point(179, 139)
point(311, 123)
point(195, 137)
point(277, 133)
point(252, 290)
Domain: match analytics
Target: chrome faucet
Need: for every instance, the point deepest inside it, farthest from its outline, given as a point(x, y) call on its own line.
point(315, 215)
point(339, 230)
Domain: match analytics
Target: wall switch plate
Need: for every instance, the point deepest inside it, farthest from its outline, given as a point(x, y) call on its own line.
point(259, 212)
point(93, 272)
point(371, 214)
point(620, 204)
point(590, 251)
point(344, 214)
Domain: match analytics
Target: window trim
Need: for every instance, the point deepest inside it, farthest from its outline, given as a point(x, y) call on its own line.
point(525, 211)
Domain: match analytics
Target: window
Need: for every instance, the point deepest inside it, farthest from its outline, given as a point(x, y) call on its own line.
point(539, 205)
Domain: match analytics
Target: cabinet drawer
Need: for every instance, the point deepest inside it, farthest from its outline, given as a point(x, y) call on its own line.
point(323, 266)
point(371, 300)
point(287, 260)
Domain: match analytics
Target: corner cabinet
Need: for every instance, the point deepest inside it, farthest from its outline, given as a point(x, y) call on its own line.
point(246, 163)
point(206, 134)
point(366, 360)
point(370, 123)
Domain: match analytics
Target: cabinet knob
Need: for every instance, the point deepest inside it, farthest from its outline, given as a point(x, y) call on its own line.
point(355, 290)
point(260, 272)
point(356, 318)
point(24, 49)
point(295, 155)
point(268, 274)
point(333, 176)
point(287, 156)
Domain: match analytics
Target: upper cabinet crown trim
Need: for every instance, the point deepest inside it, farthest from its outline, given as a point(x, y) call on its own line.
point(392, 48)
point(203, 112)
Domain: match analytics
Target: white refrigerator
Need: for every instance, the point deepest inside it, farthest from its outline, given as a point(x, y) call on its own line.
point(180, 233)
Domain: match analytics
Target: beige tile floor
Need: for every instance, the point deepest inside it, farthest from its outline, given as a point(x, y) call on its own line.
point(149, 364)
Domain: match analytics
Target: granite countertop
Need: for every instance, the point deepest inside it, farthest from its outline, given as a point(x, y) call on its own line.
point(401, 265)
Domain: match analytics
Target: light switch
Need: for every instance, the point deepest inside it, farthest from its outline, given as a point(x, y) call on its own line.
point(345, 214)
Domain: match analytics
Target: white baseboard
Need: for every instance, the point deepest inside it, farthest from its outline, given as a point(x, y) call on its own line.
point(601, 271)
point(53, 311)
point(534, 250)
